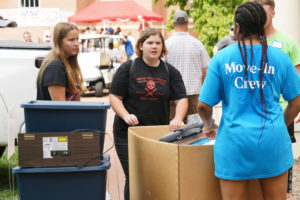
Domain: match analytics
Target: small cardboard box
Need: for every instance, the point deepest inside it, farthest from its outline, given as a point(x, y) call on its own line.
point(165, 171)
point(59, 149)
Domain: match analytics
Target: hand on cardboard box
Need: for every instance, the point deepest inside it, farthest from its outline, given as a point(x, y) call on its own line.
point(211, 132)
point(175, 124)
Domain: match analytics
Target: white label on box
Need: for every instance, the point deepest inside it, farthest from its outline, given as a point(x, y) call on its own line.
point(54, 144)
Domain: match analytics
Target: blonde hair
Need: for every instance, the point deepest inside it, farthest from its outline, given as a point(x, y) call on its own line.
point(144, 35)
point(75, 79)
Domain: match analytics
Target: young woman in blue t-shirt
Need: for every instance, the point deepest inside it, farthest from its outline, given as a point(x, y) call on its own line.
point(252, 141)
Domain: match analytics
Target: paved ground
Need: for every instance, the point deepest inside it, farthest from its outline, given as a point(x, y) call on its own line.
point(296, 179)
point(115, 173)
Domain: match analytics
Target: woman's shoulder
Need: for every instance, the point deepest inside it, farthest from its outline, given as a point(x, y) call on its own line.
point(126, 65)
point(277, 57)
point(56, 63)
point(276, 54)
point(171, 69)
point(273, 50)
point(168, 65)
point(124, 68)
point(131, 63)
point(226, 52)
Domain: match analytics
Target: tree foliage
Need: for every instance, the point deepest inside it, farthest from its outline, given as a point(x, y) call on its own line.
point(212, 18)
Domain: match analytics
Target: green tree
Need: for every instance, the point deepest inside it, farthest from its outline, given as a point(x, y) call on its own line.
point(212, 18)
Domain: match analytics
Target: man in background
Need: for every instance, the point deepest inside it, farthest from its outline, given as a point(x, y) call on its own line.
point(281, 41)
point(27, 36)
point(189, 56)
point(225, 41)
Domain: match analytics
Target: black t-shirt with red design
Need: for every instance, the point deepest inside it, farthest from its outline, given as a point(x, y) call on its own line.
point(54, 74)
point(147, 91)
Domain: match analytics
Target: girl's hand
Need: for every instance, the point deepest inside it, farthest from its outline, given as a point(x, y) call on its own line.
point(131, 119)
point(211, 132)
point(175, 124)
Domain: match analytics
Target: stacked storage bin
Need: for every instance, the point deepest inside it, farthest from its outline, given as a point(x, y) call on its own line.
point(62, 183)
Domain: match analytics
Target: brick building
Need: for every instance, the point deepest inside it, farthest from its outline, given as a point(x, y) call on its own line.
point(37, 16)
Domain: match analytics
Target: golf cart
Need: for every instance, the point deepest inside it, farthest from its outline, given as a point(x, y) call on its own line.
point(97, 66)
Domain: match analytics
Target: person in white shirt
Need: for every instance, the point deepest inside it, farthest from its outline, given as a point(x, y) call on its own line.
point(189, 56)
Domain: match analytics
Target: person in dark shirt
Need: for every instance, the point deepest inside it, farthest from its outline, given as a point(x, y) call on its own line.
point(141, 91)
point(60, 78)
point(225, 41)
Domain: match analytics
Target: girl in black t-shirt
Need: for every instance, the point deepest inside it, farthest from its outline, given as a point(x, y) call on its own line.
point(60, 78)
point(141, 91)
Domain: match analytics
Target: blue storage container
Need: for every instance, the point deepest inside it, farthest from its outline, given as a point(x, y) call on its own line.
point(63, 183)
point(65, 116)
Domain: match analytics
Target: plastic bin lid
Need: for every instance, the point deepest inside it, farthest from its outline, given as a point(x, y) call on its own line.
point(41, 104)
point(104, 165)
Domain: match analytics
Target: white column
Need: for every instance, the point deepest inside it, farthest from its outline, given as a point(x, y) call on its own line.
point(287, 15)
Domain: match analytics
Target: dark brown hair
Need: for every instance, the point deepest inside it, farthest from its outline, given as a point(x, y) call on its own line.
point(144, 35)
point(251, 18)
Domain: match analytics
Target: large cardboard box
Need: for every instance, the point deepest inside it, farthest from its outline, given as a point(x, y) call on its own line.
point(165, 171)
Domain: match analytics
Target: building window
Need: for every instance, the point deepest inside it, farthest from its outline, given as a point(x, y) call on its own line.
point(29, 3)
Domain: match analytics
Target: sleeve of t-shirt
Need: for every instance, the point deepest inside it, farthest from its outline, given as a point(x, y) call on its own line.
point(55, 74)
point(119, 85)
point(291, 81)
point(177, 88)
point(295, 53)
point(211, 90)
point(221, 43)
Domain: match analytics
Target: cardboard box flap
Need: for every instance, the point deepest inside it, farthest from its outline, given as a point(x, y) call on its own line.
point(148, 170)
point(150, 132)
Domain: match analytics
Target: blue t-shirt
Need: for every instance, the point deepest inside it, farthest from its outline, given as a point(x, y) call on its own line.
point(128, 48)
point(250, 143)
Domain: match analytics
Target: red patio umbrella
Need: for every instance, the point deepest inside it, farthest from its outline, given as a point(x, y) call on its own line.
point(112, 11)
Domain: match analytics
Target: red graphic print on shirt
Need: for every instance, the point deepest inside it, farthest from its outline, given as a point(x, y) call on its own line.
point(150, 88)
point(153, 87)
